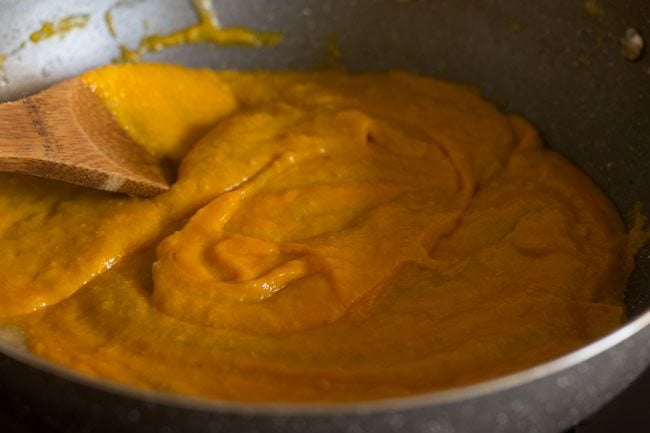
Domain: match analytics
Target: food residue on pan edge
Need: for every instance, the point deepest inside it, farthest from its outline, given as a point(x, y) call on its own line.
point(108, 19)
point(333, 53)
point(3, 73)
point(207, 29)
point(59, 27)
point(593, 8)
point(333, 237)
point(48, 30)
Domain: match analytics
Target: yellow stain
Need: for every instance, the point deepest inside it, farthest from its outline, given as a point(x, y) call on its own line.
point(60, 27)
point(206, 30)
point(3, 75)
point(333, 50)
point(594, 9)
point(108, 18)
point(515, 26)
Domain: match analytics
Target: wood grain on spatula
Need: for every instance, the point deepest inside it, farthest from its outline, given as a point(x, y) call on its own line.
point(65, 133)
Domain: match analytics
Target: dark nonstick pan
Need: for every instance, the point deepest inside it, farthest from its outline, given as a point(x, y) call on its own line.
point(557, 62)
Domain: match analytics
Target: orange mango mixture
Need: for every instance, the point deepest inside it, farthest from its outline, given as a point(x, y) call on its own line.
point(329, 237)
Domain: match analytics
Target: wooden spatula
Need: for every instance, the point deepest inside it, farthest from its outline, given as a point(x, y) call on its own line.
point(65, 133)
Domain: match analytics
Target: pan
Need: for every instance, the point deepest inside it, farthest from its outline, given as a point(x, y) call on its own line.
point(560, 63)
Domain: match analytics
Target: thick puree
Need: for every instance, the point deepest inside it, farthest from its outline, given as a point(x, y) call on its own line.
point(330, 237)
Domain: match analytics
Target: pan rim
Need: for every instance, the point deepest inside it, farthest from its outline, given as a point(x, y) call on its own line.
point(434, 398)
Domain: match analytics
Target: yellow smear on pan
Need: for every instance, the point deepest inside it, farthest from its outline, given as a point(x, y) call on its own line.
point(206, 30)
point(60, 27)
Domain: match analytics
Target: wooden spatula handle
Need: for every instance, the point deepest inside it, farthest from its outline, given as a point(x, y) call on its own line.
point(25, 142)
